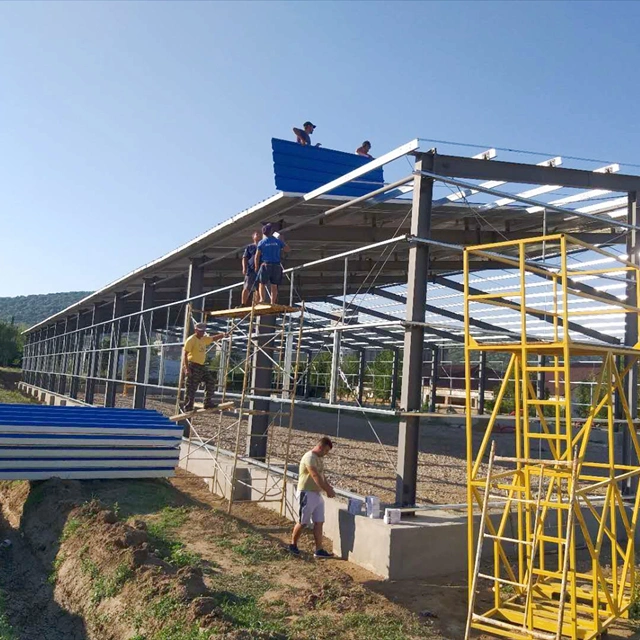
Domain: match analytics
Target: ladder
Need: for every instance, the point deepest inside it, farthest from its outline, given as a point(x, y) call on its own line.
point(526, 629)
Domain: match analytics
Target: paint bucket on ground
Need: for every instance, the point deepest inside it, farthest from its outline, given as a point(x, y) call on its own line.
point(373, 506)
point(354, 506)
point(392, 516)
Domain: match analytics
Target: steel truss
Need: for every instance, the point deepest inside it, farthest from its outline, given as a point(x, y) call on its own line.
point(553, 487)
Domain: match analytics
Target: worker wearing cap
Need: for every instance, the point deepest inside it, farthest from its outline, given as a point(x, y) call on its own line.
point(364, 149)
point(249, 268)
point(303, 136)
point(268, 257)
point(194, 367)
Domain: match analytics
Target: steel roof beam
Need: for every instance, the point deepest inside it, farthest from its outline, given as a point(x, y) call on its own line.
point(461, 167)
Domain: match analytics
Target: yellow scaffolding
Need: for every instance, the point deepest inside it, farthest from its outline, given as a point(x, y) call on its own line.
point(551, 497)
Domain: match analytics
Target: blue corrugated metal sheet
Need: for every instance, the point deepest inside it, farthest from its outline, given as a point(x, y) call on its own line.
point(300, 169)
point(40, 442)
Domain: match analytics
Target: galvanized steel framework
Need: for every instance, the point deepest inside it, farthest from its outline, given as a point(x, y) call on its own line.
point(374, 244)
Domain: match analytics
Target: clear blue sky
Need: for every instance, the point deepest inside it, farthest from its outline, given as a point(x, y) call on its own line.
point(129, 128)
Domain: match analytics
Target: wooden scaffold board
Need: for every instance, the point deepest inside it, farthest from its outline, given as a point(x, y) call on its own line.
point(258, 310)
point(224, 406)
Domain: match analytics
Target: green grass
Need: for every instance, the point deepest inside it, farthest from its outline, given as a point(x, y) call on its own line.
point(168, 613)
point(253, 549)
point(6, 630)
point(14, 397)
point(105, 586)
point(55, 568)
point(162, 536)
point(70, 528)
point(356, 625)
point(634, 610)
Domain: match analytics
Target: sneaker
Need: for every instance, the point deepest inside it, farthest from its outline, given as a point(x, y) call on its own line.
point(321, 553)
point(294, 549)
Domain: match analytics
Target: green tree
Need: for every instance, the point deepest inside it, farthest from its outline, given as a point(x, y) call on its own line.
point(584, 399)
point(382, 370)
point(11, 345)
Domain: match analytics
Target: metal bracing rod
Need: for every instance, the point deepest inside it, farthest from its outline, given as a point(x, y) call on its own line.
point(550, 207)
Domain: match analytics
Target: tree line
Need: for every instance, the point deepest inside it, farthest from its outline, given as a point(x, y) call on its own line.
point(11, 344)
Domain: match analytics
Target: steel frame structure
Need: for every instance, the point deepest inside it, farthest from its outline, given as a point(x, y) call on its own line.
point(367, 244)
point(559, 494)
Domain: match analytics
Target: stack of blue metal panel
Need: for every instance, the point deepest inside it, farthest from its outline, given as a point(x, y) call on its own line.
point(300, 169)
point(39, 442)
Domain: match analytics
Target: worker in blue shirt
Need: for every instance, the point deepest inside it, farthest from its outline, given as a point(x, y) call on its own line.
point(303, 136)
point(249, 268)
point(267, 260)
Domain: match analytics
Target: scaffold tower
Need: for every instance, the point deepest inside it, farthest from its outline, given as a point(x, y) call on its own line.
point(555, 539)
point(244, 352)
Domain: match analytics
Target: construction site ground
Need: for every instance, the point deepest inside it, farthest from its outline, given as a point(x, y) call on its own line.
point(162, 560)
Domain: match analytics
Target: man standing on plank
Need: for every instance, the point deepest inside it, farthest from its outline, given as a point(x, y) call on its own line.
point(311, 482)
point(268, 256)
point(249, 269)
point(195, 369)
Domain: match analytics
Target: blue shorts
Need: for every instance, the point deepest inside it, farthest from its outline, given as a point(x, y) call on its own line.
point(249, 280)
point(270, 273)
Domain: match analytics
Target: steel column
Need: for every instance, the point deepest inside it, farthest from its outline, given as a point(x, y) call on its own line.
point(77, 358)
point(66, 342)
point(433, 380)
point(114, 343)
point(307, 375)
point(335, 366)
point(541, 380)
point(96, 338)
point(395, 375)
point(631, 331)
point(362, 365)
point(261, 384)
point(411, 394)
point(482, 382)
point(144, 331)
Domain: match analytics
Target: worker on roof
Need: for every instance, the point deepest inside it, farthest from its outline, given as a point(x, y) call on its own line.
point(364, 149)
point(268, 257)
point(249, 268)
point(303, 136)
point(195, 369)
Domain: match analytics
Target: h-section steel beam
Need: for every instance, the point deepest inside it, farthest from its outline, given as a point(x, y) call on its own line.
point(259, 418)
point(411, 393)
point(461, 167)
point(96, 340)
point(631, 331)
point(112, 368)
point(144, 331)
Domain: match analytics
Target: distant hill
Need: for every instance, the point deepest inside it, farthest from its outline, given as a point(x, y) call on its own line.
point(29, 310)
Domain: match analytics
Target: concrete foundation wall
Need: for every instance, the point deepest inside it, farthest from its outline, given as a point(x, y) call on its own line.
point(49, 397)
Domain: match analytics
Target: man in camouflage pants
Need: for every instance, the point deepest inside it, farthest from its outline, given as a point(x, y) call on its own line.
point(195, 369)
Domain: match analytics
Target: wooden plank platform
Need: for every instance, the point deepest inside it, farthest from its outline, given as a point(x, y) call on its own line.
point(224, 406)
point(258, 310)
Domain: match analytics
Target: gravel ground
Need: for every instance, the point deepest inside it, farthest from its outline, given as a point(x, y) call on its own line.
point(357, 464)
